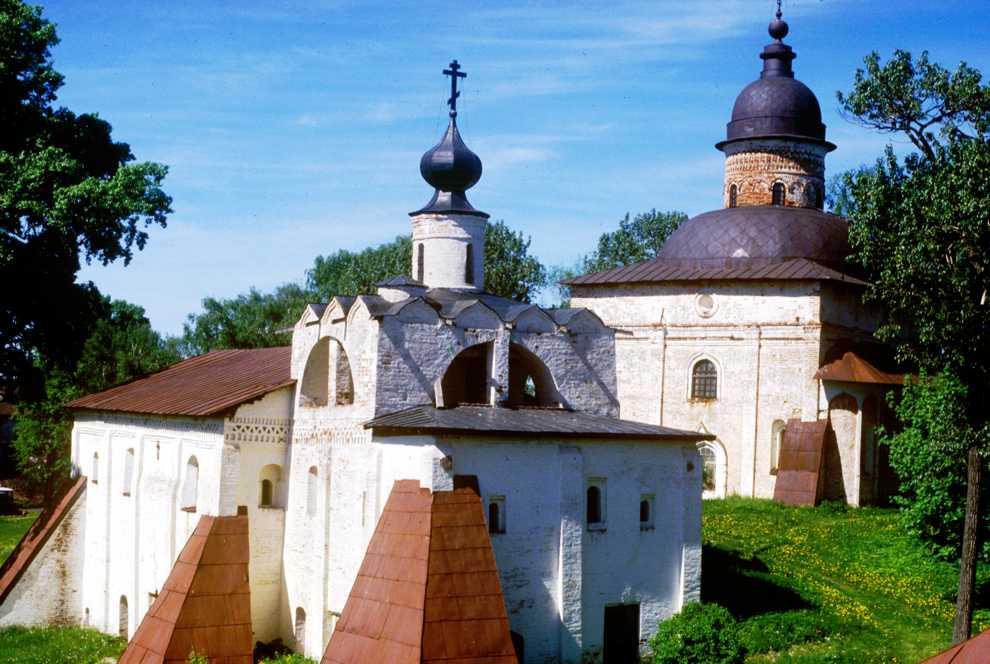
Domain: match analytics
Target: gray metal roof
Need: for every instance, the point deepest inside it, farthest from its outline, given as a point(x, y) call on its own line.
point(658, 270)
point(541, 422)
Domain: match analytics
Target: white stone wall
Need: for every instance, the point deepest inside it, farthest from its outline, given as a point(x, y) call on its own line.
point(131, 541)
point(557, 576)
point(444, 239)
point(764, 339)
point(48, 592)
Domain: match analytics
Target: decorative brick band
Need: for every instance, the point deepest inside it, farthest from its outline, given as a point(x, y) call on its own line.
point(754, 167)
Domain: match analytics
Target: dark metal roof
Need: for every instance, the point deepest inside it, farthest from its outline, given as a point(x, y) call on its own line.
point(776, 105)
point(205, 385)
point(753, 242)
point(451, 168)
point(205, 604)
point(658, 270)
point(529, 421)
point(400, 281)
point(428, 589)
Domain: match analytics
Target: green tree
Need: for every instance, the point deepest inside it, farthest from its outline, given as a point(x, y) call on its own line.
point(350, 273)
point(638, 239)
point(250, 320)
point(509, 269)
point(122, 346)
point(68, 193)
point(919, 228)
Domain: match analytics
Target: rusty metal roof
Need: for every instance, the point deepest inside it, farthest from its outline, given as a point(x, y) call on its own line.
point(34, 539)
point(851, 368)
point(205, 604)
point(428, 589)
point(205, 385)
point(799, 470)
point(515, 421)
point(974, 651)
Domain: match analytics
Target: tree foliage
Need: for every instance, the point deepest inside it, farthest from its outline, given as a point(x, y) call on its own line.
point(638, 239)
point(350, 273)
point(68, 192)
point(121, 347)
point(509, 269)
point(925, 452)
point(920, 99)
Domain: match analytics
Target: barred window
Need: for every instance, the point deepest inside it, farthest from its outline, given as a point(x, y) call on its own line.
point(704, 380)
point(733, 193)
point(778, 194)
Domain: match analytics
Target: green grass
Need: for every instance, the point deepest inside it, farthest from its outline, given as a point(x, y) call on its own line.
point(12, 528)
point(823, 584)
point(57, 645)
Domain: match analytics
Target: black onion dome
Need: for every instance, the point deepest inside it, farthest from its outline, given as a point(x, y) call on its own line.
point(776, 105)
point(760, 232)
point(451, 169)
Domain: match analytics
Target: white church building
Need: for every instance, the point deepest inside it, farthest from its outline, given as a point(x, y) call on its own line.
point(423, 448)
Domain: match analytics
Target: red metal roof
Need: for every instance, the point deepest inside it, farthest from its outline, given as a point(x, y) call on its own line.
point(799, 470)
point(205, 604)
point(428, 589)
point(34, 539)
point(974, 651)
point(200, 386)
point(851, 368)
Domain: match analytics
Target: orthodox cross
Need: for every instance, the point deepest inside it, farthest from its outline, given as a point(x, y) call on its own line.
point(779, 13)
point(454, 73)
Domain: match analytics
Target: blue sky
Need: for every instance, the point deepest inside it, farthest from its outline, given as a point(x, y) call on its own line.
point(293, 129)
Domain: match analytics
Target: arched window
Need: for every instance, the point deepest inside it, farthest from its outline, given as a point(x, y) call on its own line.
point(646, 518)
point(595, 507)
point(266, 493)
point(312, 490)
point(704, 380)
point(128, 471)
point(777, 194)
point(122, 618)
point(300, 626)
point(190, 487)
point(94, 475)
point(469, 265)
point(420, 263)
point(315, 386)
point(530, 381)
point(776, 441)
point(819, 198)
point(466, 377)
point(270, 483)
point(733, 195)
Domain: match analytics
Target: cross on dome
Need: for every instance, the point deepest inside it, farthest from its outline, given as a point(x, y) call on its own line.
point(454, 73)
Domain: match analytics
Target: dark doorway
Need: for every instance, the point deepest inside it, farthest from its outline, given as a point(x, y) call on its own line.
point(519, 644)
point(466, 379)
point(621, 634)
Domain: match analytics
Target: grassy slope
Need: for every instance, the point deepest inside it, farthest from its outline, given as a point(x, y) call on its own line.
point(12, 528)
point(856, 587)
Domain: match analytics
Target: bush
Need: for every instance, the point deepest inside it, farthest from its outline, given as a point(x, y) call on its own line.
point(699, 634)
point(776, 632)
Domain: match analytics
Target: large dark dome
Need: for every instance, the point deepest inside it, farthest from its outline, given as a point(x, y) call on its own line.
point(776, 105)
point(760, 232)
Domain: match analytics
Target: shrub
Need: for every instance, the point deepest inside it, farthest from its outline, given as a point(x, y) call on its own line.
point(776, 632)
point(699, 634)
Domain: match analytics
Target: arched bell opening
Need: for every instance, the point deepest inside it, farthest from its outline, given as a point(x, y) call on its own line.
point(530, 382)
point(467, 378)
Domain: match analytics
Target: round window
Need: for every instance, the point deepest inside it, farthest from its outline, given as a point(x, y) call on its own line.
point(706, 305)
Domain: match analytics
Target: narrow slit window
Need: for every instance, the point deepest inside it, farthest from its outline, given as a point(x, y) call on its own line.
point(122, 625)
point(190, 488)
point(778, 193)
point(128, 471)
point(312, 490)
point(420, 263)
point(300, 626)
point(646, 511)
point(469, 264)
point(704, 380)
point(94, 474)
point(496, 515)
point(733, 195)
point(595, 508)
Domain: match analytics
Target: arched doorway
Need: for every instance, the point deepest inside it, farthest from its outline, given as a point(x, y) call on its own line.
point(712, 469)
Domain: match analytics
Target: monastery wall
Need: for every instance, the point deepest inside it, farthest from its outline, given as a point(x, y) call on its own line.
point(555, 570)
point(140, 481)
point(48, 593)
point(764, 340)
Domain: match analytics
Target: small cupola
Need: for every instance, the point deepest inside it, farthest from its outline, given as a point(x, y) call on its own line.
point(775, 143)
point(448, 233)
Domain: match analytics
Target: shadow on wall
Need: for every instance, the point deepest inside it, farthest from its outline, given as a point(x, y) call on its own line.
point(743, 586)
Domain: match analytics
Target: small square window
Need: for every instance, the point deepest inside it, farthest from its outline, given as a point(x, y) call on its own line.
point(496, 514)
point(647, 516)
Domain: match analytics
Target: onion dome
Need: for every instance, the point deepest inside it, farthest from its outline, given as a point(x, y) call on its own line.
point(449, 166)
point(776, 105)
